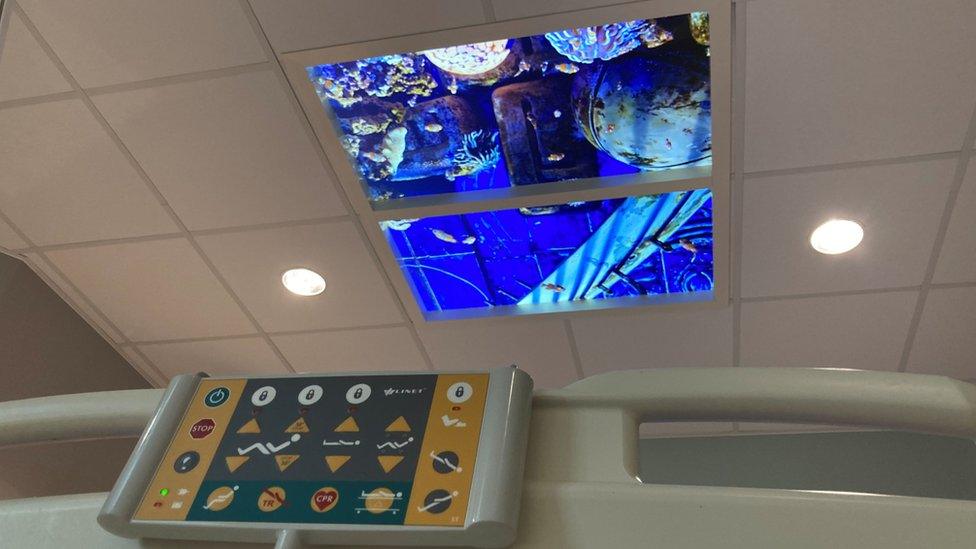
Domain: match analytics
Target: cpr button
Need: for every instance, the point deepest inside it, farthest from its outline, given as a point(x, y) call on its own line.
point(202, 428)
point(216, 397)
point(324, 499)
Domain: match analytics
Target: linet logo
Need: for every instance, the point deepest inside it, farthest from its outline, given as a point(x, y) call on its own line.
point(401, 391)
point(202, 428)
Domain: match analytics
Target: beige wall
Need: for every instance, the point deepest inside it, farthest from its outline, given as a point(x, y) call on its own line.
point(47, 349)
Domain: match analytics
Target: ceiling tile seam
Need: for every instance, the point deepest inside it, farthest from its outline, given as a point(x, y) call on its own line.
point(489, 9)
point(163, 378)
point(38, 99)
point(962, 164)
point(150, 185)
point(737, 194)
point(838, 293)
point(98, 243)
point(820, 168)
point(280, 333)
point(182, 78)
point(330, 170)
point(951, 285)
point(574, 349)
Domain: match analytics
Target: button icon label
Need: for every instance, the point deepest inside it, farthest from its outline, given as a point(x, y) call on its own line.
point(202, 428)
point(216, 397)
point(459, 392)
point(358, 393)
point(263, 396)
point(325, 499)
point(310, 395)
point(271, 498)
point(220, 499)
point(186, 461)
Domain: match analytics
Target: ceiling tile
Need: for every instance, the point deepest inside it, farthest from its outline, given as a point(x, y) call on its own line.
point(367, 350)
point(218, 357)
point(253, 261)
point(540, 347)
point(106, 42)
point(73, 298)
point(8, 238)
point(847, 80)
point(944, 341)
point(957, 259)
point(154, 290)
point(64, 180)
point(665, 429)
point(865, 332)
point(226, 151)
point(27, 71)
point(306, 24)
point(899, 206)
point(142, 367)
point(654, 339)
point(517, 9)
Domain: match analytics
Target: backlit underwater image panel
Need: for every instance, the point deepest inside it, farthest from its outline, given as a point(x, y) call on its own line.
point(588, 102)
point(604, 249)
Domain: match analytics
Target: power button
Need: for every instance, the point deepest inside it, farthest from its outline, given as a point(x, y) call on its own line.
point(216, 397)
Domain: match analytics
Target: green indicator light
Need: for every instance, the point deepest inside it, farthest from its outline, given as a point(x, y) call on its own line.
point(164, 492)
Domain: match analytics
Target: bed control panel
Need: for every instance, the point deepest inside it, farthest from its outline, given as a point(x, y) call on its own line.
point(372, 457)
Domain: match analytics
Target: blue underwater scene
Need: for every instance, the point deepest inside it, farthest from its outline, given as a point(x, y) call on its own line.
point(578, 103)
point(624, 247)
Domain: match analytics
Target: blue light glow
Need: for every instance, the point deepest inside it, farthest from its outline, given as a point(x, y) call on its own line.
point(618, 248)
point(569, 104)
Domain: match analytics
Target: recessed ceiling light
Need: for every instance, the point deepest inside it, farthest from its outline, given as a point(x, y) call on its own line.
point(303, 282)
point(836, 236)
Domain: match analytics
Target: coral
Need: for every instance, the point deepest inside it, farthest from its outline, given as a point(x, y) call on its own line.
point(366, 125)
point(587, 44)
point(469, 59)
point(349, 83)
point(699, 27)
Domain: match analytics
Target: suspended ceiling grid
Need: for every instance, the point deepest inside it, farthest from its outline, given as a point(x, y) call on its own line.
point(156, 168)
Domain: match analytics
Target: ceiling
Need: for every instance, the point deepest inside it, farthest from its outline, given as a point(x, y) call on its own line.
point(157, 169)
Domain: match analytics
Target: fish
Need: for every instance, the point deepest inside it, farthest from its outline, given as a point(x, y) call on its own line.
point(468, 240)
point(433, 127)
point(567, 68)
point(667, 143)
point(556, 157)
point(557, 113)
point(445, 236)
point(524, 66)
point(688, 245)
point(545, 66)
point(374, 156)
point(452, 86)
point(553, 287)
point(531, 119)
point(610, 128)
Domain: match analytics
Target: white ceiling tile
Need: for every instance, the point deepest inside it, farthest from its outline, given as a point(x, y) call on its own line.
point(226, 151)
point(517, 9)
point(944, 341)
point(106, 42)
point(154, 290)
point(306, 24)
point(899, 206)
point(8, 238)
point(64, 180)
point(252, 263)
point(665, 429)
point(865, 332)
point(73, 298)
point(25, 70)
point(367, 350)
point(957, 259)
point(540, 347)
point(654, 339)
point(218, 357)
point(847, 80)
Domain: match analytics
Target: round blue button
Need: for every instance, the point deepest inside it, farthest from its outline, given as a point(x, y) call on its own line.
point(216, 397)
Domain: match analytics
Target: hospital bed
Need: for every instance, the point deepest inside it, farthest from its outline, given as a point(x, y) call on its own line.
point(581, 487)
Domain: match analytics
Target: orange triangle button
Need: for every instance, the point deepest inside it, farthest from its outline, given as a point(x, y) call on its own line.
point(250, 427)
point(234, 462)
point(389, 462)
point(285, 460)
point(298, 427)
point(335, 462)
point(399, 425)
point(348, 426)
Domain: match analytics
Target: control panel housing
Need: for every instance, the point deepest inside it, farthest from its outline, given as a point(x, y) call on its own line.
point(356, 459)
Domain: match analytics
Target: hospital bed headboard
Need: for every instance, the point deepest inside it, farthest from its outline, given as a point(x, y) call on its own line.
point(580, 488)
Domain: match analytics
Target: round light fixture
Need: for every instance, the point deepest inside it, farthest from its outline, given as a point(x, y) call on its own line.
point(836, 236)
point(303, 282)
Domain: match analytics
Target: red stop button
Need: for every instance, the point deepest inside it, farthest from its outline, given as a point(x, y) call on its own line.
point(202, 428)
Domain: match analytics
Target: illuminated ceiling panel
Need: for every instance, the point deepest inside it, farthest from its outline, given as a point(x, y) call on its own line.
point(453, 148)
